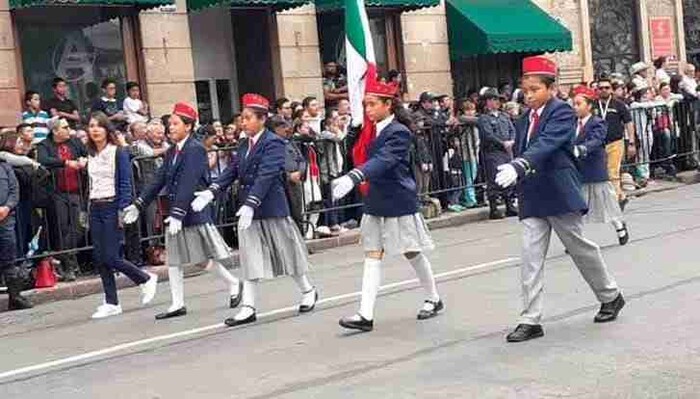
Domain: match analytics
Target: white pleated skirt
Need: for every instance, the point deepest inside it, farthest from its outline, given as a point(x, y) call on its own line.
point(272, 247)
point(602, 203)
point(395, 235)
point(196, 244)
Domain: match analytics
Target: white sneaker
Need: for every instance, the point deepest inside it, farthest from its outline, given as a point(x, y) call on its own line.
point(148, 289)
point(107, 310)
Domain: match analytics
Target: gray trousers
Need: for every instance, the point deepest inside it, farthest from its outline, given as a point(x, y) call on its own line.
point(585, 253)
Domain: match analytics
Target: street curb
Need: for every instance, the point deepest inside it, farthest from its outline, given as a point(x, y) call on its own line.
point(91, 286)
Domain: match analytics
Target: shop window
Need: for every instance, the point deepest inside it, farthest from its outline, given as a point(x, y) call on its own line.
point(83, 45)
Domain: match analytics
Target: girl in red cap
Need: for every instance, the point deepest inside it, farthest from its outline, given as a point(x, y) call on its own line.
point(549, 198)
point(270, 244)
point(191, 237)
point(391, 223)
point(589, 147)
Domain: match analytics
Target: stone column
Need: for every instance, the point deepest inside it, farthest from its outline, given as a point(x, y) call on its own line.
point(296, 55)
point(10, 65)
point(426, 51)
point(167, 58)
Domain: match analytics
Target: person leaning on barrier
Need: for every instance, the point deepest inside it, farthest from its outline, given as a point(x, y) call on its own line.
point(66, 157)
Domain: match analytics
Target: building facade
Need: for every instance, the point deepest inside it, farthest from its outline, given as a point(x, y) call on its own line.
point(203, 51)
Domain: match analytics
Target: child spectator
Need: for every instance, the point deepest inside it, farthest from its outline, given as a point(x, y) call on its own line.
point(111, 106)
point(452, 164)
point(134, 109)
point(35, 116)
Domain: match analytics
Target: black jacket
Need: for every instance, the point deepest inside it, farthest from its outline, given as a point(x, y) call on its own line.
point(47, 152)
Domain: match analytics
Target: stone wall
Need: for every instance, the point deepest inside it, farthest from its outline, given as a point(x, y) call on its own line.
point(10, 86)
point(426, 51)
point(296, 54)
point(167, 58)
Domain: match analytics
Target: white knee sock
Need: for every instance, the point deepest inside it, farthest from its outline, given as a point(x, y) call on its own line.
point(250, 289)
point(177, 288)
point(618, 224)
point(223, 272)
point(303, 283)
point(371, 279)
point(424, 271)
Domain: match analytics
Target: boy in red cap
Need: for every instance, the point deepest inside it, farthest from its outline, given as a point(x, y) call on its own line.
point(270, 244)
point(589, 147)
point(549, 198)
point(191, 237)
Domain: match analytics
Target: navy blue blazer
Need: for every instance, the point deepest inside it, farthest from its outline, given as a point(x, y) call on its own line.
point(549, 183)
point(189, 173)
point(392, 186)
point(592, 162)
point(123, 179)
point(261, 174)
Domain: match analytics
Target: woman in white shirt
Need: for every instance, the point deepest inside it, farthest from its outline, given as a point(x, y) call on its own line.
point(109, 173)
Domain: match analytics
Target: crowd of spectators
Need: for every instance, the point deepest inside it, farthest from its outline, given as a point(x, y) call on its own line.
point(47, 151)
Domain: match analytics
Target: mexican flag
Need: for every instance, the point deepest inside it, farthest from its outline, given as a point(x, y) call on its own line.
point(359, 50)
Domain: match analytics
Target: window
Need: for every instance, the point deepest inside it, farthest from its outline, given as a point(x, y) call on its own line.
point(80, 44)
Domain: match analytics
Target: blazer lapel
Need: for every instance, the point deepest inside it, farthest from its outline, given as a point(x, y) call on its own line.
point(179, 157)
point(254, 150)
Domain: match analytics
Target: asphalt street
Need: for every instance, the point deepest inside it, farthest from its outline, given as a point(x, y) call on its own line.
point(652, 351)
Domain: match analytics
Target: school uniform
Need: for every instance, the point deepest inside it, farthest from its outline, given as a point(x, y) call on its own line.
point(598, 192)
point(391, 222)
point(495, 128)
point(185, 171)
point(272, 246)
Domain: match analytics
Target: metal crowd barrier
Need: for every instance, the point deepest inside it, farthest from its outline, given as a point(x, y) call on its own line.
point(445, 160)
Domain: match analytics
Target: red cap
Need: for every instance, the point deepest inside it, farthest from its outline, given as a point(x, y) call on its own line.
point(380, 89)
point(539, 65)
point(186, 110)
point(585, 91)
point(256, 101)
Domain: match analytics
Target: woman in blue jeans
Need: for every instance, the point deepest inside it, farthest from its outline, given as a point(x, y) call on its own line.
point(109, 173)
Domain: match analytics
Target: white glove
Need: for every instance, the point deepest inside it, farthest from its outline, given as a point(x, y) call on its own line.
point(507, 176)
point(577, 152)
point(131, 214)
point(342, 186)
point(174, 225)
point(245, 217)
point(202, 199)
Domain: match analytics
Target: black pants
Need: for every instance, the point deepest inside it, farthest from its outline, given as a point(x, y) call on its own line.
point(8, 247)
point(295, 194)
point(492, 160)
point(65, 215)
point(107, 239)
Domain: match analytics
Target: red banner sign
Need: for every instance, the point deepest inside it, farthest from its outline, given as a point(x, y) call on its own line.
point(663, 41)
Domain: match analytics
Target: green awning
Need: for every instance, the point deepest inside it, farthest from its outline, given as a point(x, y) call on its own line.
point(406, 5)
point(17, 4)
point(502, 26)
point(278, 5)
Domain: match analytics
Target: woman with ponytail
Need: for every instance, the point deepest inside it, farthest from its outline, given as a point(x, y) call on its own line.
point(391, 223)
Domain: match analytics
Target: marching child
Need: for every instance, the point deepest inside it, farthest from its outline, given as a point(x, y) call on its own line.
point(270, 244)
point(549, 197)
point(191, 237)
point(391, 223)
point(589, 148)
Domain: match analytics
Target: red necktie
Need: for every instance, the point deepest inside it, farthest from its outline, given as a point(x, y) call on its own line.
point(535, 124)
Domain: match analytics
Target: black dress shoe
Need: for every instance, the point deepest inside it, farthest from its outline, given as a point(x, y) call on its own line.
point(429, 314)
point(235, 300)
point(233, 322)
point(525, 332)
point(352, 324)
point(496, 215)
point(609, 311)
point(511, 212)
point(175, 313)
point(623, 239)
point(307, 308)
point(18, 303)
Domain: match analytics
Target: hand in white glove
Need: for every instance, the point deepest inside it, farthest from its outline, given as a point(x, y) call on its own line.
point(245, 217)
point(507, 175)
point(131, 214)
point(174, 225)
point(577, 152)
point(341, 187)
point(202, 199)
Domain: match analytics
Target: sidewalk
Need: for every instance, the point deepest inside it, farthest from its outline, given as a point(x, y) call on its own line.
point(93, 285)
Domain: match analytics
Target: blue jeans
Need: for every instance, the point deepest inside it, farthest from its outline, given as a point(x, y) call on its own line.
point(107, 240)
point(469, 168)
